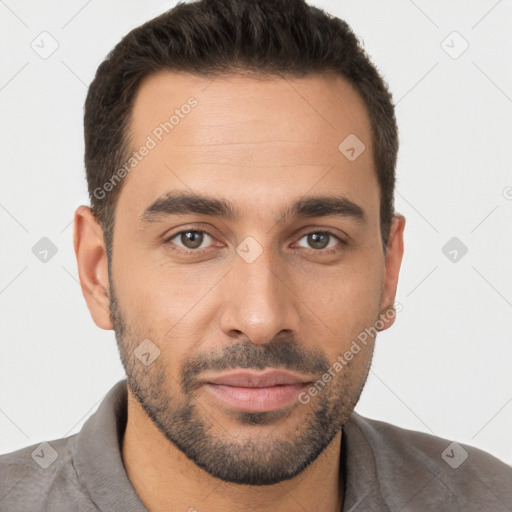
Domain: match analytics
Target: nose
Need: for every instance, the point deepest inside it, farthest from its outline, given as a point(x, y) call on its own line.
point(258, 301)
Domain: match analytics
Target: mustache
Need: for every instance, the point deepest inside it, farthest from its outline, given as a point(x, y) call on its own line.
point(283, 354)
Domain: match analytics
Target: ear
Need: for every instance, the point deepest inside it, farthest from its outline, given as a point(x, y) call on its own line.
point(394, 253)
point(92, 262)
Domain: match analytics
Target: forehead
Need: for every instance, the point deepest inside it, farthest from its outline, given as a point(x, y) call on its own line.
point(261, 136)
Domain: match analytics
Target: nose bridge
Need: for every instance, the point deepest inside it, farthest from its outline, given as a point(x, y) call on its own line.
point(258, 303)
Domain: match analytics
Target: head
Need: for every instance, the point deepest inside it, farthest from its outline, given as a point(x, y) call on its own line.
point(240, 159)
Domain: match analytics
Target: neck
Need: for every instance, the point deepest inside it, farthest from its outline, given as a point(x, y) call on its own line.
point(165, 479)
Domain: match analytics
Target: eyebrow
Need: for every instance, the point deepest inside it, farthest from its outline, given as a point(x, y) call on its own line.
point(181, 203)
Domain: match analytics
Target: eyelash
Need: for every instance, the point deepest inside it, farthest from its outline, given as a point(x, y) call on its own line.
point(316, 252)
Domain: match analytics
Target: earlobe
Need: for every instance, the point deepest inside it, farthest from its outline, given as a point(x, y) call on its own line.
point(393, 261)
point(92, 262)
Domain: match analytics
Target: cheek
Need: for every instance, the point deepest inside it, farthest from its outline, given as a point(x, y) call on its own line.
point(346, 308)
point(350, 357)
point(150, 291)
point(349, 351)
point(345, 299)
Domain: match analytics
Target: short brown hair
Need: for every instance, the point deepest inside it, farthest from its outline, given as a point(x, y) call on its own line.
point(215, 37)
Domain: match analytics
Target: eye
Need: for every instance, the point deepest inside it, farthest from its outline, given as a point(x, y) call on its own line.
point(190, 240)
point(195, 240)
point(321, 240)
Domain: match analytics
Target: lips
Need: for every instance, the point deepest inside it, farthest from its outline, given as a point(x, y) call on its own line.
point(251, 379)
point(256, 391)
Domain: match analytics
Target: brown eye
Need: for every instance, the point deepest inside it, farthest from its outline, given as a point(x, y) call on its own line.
point(190, 240)
point(320, 240)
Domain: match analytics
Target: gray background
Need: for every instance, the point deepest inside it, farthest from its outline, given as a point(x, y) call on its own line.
point(444, 368)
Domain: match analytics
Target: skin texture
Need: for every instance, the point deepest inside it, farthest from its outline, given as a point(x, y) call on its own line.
point(261, 143)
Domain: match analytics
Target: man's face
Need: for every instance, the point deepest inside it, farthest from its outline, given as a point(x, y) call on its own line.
point(257, 291)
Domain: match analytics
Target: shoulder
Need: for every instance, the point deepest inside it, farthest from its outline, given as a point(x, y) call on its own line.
point(438, 470)
point(41, 477)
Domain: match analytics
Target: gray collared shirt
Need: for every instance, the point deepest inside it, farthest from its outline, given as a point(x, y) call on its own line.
point(384, 467)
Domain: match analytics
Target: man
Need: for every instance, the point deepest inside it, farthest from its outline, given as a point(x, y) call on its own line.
point(242, 243)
